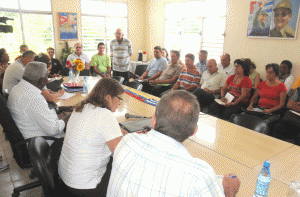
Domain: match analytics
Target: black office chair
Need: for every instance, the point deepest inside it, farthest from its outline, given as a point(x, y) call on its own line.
point(139, 70)
point(135, 85)
point(119, 79)
point(45, 166)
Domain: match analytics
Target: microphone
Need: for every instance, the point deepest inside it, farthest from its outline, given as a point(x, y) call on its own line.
point(127, 116)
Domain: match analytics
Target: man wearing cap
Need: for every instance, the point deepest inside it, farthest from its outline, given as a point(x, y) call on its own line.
point(259, 27)
point(30, 110)
point(282, 16)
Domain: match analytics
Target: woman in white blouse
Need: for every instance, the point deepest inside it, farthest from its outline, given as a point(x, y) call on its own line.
point(91, 138)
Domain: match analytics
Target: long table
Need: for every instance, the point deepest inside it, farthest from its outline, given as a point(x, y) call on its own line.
point(227, 147)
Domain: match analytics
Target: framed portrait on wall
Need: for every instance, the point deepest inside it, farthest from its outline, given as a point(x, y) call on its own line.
point(68, 26)
point(273, 19)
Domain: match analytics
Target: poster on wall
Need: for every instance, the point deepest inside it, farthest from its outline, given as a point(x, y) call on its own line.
point(273, 19)
point(67, 26)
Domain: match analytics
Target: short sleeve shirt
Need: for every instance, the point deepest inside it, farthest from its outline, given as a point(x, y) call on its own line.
point(202, 66)
point(13, 75)
point(83, 57)
point(236, 89)
point(171, 71)
point(56, 66)
point(121, 54)
point(85, 154)
point(270, 96)
point(189, 78)
point(156, 65)
point(296, 96)
point(101, 61)
point(213, 81)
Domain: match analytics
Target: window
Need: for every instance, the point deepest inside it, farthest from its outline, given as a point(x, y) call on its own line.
point(32, 25)
point(199, 26)
point(100, 19)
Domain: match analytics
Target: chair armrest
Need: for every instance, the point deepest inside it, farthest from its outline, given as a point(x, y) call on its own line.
point(272, 118)
point(28, 140)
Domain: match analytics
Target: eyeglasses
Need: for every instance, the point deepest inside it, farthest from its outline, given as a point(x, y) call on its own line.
point(283, 14)
point(118, 33)
point(119, 98)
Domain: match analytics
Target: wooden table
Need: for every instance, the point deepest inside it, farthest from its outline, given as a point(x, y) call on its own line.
point(228, 148)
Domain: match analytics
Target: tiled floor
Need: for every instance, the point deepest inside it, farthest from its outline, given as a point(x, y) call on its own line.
point(14, 176)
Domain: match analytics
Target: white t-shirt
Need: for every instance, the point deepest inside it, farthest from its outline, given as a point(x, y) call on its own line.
point(84, 58)
point(85, 154)
point(13, 75)
point(228, 71)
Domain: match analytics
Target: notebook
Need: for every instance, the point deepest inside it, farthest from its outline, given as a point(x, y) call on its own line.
point(136, 125)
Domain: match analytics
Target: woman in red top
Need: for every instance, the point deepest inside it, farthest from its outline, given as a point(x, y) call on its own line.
point(272, 92)
point(239, 85)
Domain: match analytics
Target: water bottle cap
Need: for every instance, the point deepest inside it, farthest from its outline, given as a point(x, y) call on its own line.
point(267, 164)
point(84, 77)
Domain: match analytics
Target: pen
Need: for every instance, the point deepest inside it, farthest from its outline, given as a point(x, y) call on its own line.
point(232, 176)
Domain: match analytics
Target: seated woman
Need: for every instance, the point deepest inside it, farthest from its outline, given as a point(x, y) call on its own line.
point(4, 59)
point(165, 54)
point(48, 94)
point(254, 75)
point(289, 126)
point(239, 85)
point(91, 138)
point(272, 92)
point(285, 75)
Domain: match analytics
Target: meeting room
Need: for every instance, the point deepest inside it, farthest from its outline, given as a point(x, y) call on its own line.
point(149, 98)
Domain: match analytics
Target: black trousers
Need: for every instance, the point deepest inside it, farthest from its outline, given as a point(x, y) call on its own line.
point(56, 147)
point(101, 188)
point(122, 74)
point(223, 112)
point(204, 98)
point(147, 87)
point(158, 89)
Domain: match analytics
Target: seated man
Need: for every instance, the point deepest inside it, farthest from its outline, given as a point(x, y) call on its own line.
point(14, 73)
point(211, 84)
point(201, 65)
point(78, 54)
point(157, 163)
point(225, 66)
point(285, 75)
point(154, 69)
point(23, 48)
point(30, 110)
point(101, 62)
point(57, 68)
point(168, 77)
point(190, 76)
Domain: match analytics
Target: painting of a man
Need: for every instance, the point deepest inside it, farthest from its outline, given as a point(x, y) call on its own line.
point(260, 28)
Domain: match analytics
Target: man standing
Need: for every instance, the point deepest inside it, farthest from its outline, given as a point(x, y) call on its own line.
point(30, 110)
point(120, 48)
point(56, 65)
point(157, 163)
point(282, 16)
point(154, 69)
point(190, 76)
point(201, 65)
point(211, 84)
point(23, 48)
point(101, 62)
point(83, 57)
point(14, 73)
point(225, 66)
point(168, 77)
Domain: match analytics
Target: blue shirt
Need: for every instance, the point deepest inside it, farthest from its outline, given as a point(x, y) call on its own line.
point(156, 65)
point(121, 54)
point(201, 66)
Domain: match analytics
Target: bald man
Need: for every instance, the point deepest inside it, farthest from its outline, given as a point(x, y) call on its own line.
point(211, 84)
point(78, 54)
point(225, 66)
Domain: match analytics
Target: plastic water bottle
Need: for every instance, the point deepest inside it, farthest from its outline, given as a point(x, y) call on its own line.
point(85, 86)
point(263, 181)
point(70, 75)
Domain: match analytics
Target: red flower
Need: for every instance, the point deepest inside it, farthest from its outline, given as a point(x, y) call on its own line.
point(69, 64)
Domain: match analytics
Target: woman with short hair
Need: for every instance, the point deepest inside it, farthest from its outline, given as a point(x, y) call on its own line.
point(4, 59)
point(253, 75)
point(239, 85)
point(272, 92)
point(91, 138)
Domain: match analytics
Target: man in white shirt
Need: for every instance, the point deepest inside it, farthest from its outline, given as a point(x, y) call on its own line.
point(14, 73)
point(83, 57)
point(30, 110)
point(225, 66)
point(157, 164)
point(211, 84)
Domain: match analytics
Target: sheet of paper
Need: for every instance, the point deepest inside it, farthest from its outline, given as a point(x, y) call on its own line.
point(295, 112)
point(67, 95)
point(229, 98)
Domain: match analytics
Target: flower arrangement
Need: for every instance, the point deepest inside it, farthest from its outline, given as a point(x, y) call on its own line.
point(75, 65)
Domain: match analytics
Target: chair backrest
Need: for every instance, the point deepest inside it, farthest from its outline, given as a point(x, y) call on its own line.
point(119, 79)
point(135, 85)
point(44, 164)
point(14, 136)
point(140, 69)
point(251, 122)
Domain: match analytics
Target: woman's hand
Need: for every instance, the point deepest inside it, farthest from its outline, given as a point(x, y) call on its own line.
point(267, 111)
point(250, 107)
point(224, 100)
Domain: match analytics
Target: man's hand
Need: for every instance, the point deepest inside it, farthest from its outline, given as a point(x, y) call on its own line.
point(231, 185)
point(153, 82)
point(61, 92)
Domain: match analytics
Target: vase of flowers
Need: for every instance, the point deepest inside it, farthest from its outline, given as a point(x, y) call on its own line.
point(76, 66)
